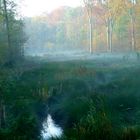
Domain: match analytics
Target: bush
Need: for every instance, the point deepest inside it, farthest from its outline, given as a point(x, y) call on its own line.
point(94, 125)
point(25, 127)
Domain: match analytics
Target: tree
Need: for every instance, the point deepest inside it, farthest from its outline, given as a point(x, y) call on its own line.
point(10, 48)
point(12, 35)
point(89, 5)
point(113, 11)
point(137, 25)
point(132, 14)
point(7, 27)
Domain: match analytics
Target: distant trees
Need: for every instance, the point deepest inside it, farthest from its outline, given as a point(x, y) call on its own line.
point(111, 12)
point(102, 25)
point(62, 29)
point(114, 9)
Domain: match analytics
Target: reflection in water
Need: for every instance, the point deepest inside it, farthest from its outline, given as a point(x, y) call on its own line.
point(50, 129)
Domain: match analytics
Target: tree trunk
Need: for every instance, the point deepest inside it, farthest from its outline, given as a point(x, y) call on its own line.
point(7, 30)
point(108, 35)
point(2, 114)
point(111, 35)
point(0, 4)
point(132, 18)
point(133, 39)
point(91, 34)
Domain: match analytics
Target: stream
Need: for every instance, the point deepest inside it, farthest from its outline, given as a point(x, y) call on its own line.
point(50, 129)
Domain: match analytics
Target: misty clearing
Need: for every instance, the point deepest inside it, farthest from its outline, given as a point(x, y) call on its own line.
point(70, 70)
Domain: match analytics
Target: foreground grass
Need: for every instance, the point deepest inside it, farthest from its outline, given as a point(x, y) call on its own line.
point(97, 100)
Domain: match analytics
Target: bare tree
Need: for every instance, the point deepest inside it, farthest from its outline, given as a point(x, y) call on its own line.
point(89, 4)
point(113, 10)
point(132, 17)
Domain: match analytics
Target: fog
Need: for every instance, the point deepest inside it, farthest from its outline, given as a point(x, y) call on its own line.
point(72, 73)
point(65, 34)
point(95, 50)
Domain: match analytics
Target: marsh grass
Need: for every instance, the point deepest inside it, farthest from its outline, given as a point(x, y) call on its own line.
point(90, 100)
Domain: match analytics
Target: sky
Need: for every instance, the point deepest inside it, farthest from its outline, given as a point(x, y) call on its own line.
point(32, 8)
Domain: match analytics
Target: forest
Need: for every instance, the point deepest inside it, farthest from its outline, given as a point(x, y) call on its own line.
point(71, 73)
point(111, 24)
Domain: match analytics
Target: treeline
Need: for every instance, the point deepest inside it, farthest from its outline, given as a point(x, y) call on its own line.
point(114, 23)
point(12, 36)
point(115, 27)
point(64, 28)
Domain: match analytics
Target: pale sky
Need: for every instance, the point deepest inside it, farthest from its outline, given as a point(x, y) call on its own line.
point(36, 7)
